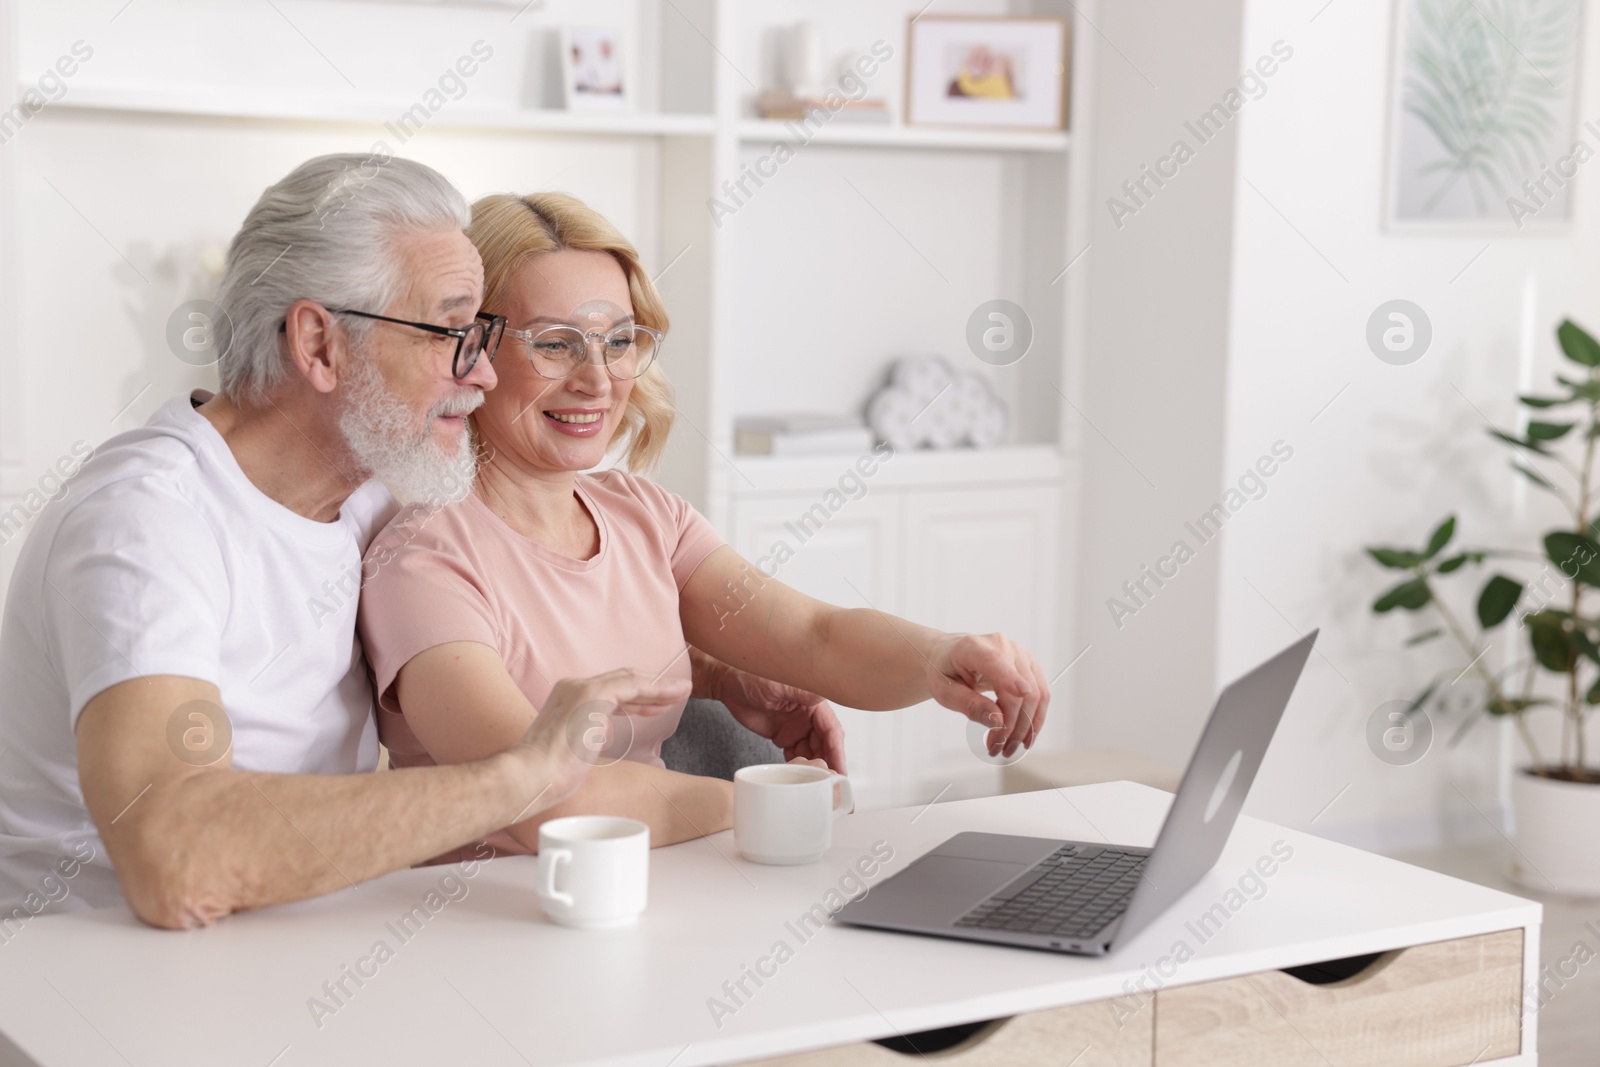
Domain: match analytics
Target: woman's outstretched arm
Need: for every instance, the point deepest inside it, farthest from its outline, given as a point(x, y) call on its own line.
point(860, 657)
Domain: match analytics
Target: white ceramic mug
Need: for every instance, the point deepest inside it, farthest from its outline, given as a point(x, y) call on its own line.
point(783, 813)
point(594, 870)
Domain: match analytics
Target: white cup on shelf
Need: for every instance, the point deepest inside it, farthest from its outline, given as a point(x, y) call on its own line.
point(802, 59)
point(783, 813)
point(594, 870)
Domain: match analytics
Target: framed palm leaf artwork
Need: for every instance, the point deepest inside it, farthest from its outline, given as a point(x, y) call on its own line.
point(1482, 130)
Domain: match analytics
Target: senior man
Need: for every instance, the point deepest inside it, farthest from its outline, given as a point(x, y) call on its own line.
point(187, 714)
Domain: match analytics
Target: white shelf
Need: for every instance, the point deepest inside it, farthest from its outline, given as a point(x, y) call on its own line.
point(952, 467)
point(757, 131)
point(245, 106)
point(893, 135)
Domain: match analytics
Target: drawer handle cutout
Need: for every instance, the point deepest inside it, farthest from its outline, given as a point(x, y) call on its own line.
point(947, 1040)
point(1351, 969)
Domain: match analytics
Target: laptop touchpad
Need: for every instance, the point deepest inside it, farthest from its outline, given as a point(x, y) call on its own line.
point(934, 891)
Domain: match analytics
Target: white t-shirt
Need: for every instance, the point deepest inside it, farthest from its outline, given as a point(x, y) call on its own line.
point(161, 557)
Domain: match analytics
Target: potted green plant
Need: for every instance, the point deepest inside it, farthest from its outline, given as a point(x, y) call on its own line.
point(1556, 801)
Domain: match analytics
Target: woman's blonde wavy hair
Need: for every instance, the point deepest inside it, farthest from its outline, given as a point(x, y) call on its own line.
point(507, 230)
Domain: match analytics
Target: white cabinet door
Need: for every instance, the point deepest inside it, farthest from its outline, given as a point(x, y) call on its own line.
point(851, 557)
point(980, 561)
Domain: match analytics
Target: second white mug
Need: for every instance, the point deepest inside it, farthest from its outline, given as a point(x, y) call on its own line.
point(783, 813)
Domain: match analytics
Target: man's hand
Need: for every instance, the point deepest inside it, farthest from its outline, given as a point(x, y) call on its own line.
point(799, 722)
point(579, 719)
point(963, 667)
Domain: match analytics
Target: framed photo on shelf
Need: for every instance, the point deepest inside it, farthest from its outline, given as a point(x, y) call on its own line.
point(1482, 118)
point(1005, 73)
point(596, 72)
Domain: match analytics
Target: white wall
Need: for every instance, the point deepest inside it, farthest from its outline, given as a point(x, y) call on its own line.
point(1150, 417)
point(1401, 446)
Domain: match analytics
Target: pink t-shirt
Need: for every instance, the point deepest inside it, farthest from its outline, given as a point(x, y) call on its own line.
point(462, 574)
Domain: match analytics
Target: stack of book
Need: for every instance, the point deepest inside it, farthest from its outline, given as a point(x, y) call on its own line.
point(784, 104)
point(799, 434)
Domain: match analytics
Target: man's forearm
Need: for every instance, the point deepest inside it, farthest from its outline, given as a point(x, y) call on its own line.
point(238, 840)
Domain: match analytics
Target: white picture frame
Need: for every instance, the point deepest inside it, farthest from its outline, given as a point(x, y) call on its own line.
point(597, 69)
point(1531, 73)
point(987, 72)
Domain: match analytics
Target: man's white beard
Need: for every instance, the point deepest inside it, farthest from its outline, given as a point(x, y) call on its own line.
point(388, 440)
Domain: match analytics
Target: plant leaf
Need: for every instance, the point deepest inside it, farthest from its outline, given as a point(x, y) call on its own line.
point(1500, 594)
point(1548, 431)
point(1575, 555)
point(1532, 475)
point(1545, 401)
point(1559, 638)
point(1420, 638)
point(1577, 345)
point(1410, 595)
point(1440, 537)
point(1554, 615)
point(1581, 390)
point(1532, 446)
point(1398, 558)
point(1514, 705)
point(1549, 642)
point(1454, 563)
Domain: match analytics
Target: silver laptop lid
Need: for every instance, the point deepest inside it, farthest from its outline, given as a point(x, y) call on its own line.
point(1214, 787)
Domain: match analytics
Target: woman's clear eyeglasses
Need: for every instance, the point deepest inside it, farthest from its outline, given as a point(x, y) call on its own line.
point(556, 351)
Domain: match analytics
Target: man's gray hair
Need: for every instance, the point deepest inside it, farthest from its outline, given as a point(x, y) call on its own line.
point(325, 233)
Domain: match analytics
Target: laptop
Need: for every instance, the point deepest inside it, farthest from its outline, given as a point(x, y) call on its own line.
point(1082, 896)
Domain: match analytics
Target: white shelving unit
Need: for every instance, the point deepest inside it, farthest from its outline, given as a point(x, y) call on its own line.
point(876, 241)
point(871, 242)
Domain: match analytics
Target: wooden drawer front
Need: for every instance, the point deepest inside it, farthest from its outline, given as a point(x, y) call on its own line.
point(1050, 1038)
point(1445, 1004)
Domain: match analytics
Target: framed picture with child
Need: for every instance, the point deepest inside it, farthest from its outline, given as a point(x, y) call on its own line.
point(987, 72)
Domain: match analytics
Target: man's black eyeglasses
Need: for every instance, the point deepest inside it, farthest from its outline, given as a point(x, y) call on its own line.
point(482, 337)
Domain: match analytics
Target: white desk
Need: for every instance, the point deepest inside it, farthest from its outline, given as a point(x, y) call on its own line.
point(487, 981)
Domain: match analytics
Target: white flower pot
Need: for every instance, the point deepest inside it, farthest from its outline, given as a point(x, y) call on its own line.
point(1558, 835)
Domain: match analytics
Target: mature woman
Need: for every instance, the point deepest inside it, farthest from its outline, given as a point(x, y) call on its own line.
point(543, 572)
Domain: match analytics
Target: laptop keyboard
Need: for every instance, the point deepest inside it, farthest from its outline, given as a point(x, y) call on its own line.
point(1064, 895)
